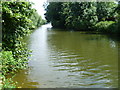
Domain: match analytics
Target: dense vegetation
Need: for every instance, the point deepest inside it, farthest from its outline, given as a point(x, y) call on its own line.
point(85, 16)
point(118, 10)
point(18, 20)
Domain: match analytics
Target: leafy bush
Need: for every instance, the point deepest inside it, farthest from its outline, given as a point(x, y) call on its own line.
point(9, 64)
point(80, 16)
point(0, 46)
point(16, 23)
point(113, 28)
point(106, 26)
point(106, 11)
point(8, 83)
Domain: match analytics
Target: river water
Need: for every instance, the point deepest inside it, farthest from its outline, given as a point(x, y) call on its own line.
point(62, 58)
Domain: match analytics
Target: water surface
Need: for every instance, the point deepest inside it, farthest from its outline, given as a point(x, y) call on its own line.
point(62, 58)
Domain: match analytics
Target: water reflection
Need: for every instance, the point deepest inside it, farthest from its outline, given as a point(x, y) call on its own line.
point(23, 81)
point(112, 44)
point(88, 58)
point(70, 59)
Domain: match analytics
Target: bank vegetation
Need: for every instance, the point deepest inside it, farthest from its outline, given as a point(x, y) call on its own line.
point(19, 19)
point(84, 16)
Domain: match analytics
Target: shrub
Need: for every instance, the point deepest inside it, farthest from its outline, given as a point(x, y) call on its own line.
point(106, 26)
point(8, 83)
point(17, 22)
point(8, 62)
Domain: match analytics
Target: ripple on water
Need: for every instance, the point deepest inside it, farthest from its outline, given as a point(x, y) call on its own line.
point(80, 69)
point(70, 59)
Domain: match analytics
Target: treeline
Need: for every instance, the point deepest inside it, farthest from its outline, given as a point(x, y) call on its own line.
point(18, 20)
point(84, 16)
point(37, 20)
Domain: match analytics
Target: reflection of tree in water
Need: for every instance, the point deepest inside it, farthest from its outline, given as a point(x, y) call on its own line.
point(112, 44)
point(114, 40)
point(89, 59)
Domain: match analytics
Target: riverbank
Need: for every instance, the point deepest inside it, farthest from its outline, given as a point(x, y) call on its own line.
point(17, 23)
point(0, 68)
point(1, 78)
point(101, 17)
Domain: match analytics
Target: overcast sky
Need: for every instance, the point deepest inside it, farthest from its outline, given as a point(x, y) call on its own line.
point(38, 5)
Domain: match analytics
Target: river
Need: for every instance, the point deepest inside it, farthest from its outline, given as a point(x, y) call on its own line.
point(63, 58)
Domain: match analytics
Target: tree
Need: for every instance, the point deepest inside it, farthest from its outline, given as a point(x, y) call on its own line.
point(36, 19)
point(16, 23)
point(53, 14)
point(118, 10)
point(80, 16)
point(106, 11)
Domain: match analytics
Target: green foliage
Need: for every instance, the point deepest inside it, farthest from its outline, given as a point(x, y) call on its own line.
point(8, 83)
point(80, 16)
point(106, 11)
point(9, 64)
point(118, 10)
point(0, 46)
point(17, 22)
point(106, 26)
point(16, 25)
point(43, 22)
point(84, 15)
point(108, 15)
point(54, 14)
point(37, 20)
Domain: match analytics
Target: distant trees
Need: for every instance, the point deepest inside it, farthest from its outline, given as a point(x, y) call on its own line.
point(36, 19)
point(81, 15)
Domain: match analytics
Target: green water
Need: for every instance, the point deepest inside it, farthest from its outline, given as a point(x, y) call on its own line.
point(70, 59)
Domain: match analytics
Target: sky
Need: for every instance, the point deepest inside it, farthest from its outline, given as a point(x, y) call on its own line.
point(38, 5)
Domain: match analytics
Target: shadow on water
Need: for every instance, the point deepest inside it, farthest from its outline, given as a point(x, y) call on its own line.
point(70, 59)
